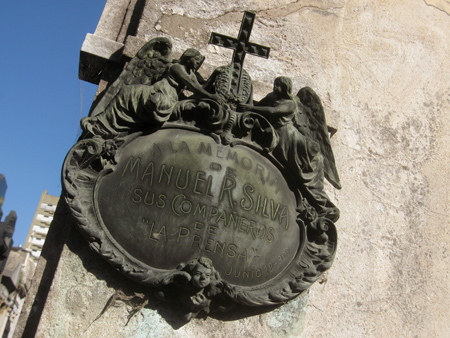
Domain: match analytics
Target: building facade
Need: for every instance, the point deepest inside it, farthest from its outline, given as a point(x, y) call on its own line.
point(40, 225)
point(15, 284)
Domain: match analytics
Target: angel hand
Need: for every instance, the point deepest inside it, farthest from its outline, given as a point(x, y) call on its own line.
point(243, 107)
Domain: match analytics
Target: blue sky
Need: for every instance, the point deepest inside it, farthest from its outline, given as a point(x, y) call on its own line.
point(41, 97)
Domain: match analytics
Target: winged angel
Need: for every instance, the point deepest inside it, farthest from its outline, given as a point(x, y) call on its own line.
point(304, 145)
point(148, 91)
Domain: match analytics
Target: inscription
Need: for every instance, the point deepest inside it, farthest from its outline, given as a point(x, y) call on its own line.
point(243, 162)
point(200, 183)
point(191, 197)
point(192, 236)
point(180, 206)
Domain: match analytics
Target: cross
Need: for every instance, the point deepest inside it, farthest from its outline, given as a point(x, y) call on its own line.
point(241, 47)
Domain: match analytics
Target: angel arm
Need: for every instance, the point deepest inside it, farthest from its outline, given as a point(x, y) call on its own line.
point(200, 78)
point(285, 107)
point(180, 74)
point(209, 84)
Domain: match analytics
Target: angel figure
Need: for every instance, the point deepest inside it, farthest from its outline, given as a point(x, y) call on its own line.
point(148, 91)
point(198, 289)
point(304, 145)
point(196, 299)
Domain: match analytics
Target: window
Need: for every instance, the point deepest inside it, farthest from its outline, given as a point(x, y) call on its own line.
point(48, 207)
point(44, 219)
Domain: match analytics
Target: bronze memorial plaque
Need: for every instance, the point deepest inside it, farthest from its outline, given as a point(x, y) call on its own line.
point(211, 199)
point(177, 194)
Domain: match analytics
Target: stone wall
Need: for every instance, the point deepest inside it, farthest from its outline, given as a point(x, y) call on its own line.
point(381, 69)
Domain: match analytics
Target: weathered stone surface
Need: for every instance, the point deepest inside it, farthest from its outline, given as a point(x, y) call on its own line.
point(382, 70)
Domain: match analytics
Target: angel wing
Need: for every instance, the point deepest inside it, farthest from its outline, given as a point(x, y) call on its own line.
point(147, 67)
point(313, 124)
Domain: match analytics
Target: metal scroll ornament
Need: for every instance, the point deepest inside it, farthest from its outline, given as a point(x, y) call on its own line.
point(210, 200)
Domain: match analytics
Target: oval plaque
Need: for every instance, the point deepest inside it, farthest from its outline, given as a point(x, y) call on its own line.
point(152, 203)
point(176, 194)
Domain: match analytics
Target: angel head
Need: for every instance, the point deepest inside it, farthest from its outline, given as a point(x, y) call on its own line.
point(160, 48)
point(202, 271)
point(307, 95)
point(192, 58)
point(282, 87)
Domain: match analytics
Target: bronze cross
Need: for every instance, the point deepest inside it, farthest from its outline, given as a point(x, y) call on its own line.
point(241, 46)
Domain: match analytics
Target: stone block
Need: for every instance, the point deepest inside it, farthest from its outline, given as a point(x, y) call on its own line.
point(96, 53)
